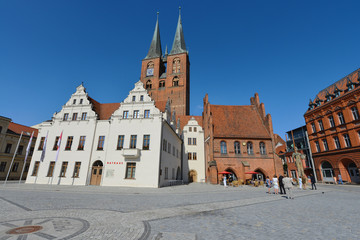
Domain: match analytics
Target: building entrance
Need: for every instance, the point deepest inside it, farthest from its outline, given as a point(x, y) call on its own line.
point(354, 173)
point(96, 173)
point(327, 172)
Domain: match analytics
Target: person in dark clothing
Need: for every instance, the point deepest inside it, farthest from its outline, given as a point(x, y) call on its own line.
point(313, 181)
point(281, 185)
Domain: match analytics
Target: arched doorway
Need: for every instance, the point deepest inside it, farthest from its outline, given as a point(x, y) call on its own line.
point(327, 172)
point(96, 173)
point(260, 176)
point(231, 176)
point(353, 172)
point(192, 176)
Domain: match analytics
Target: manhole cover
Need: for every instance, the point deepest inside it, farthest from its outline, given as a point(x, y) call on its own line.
point(24, 230)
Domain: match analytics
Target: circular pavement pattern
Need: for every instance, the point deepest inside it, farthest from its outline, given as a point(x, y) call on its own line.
point(43, 228)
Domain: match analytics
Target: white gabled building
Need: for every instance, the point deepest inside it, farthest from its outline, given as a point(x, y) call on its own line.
point(127, 144)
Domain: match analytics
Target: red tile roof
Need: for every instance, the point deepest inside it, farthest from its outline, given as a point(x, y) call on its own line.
point(237, 122)
point(185, 119)
point(104, 110)
point(161, 105)
point(18, 128)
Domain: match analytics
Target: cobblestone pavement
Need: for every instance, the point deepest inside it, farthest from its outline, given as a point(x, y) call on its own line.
point(195, 211)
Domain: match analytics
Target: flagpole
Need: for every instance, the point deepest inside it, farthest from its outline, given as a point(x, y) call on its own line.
point(26, 155)
point(17, 146)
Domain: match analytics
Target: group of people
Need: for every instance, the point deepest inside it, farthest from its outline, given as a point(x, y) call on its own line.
point(286, 185)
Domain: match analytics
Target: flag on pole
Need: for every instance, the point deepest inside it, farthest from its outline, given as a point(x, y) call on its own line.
point(44, 148)
point(58, 146)
point(28, 147)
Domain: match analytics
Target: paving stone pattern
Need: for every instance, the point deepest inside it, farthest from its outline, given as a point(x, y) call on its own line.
point(195, 211)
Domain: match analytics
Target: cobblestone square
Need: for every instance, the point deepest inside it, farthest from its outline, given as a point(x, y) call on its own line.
point(195, 211)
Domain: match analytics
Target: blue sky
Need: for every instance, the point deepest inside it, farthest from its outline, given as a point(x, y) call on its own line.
point(287, 51)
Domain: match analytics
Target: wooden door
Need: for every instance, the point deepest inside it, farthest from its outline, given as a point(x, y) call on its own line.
point(96, 173)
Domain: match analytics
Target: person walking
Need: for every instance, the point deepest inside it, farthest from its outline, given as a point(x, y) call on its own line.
point(276, 184)
point(289, 187)
point(313, 181)
point(281, 185)
point(268, 184)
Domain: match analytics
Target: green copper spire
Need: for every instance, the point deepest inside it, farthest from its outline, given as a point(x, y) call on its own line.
point(155, 46)
point(179, 42)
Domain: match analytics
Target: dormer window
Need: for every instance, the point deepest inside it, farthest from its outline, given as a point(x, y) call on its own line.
point(148, 84)
point(350, 87)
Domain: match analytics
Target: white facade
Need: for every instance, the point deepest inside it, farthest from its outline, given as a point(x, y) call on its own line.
point(123, 150)
point(194, 152)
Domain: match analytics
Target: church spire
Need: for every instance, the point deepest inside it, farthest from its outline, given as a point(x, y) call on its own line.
point(155, 46)
point(179, 42)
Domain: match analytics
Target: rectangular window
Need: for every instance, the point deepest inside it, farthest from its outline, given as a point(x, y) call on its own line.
point(341, 118)
point(83, 116)
point(55, 143)
point(173, 151)
point(141, 98)
point(347, 140)
point(337, 142)
point(136, 113)
point(194, 156)
point(169, 147)
point(190, 129)
point(2, 166)
point(194, 141)
point(81, 101)
point(35, 169)
point(317, 146)
point(133, 98)
point(164, 145)
point(74, 101)
point(66, 116)
point(331, 121)
point(177, 152)
point(133, 141)
point(326, 147)
point(166, 173)
point(8, 148)
point(76, 169)
point(51, 169)
point(15, 167)
point(321, 126)
point(130, 170)
point(147, 114)
point(189, 141)
point(189, 156)
point(63, 169)
point(313, 127)
point(195, 129)
point(81, 142)
point(126, 114)
point(120, 143)
point(293, 174)
point(20, 150)
point(173, 174)
point(74, 118)
point(146, 142)
point(101, 143)
point(69, 143)
point(355, 113)
point(41, 145)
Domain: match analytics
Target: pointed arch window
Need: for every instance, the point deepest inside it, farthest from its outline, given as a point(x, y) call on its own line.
point(237, 147)
point(223, 147)
point(150, 69)
point(176, 65)
point(161, 84)
point(250, 149)
point(148, 84)
point(262, 148)
point(175, 82)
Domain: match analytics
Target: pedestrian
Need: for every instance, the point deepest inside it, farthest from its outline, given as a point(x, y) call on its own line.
point(281, 185)
point(312, 178)
point(288, 184)
point(300, 183)
point(268, 184)
point(340, 179)
point(225, 181)
point(304, 180)
point(275, 184)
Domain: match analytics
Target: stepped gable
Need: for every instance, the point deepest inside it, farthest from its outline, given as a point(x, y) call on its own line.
point(17, 128)
point(341, 84)
point(104, 110)
point(237, 122)
point(185, 119)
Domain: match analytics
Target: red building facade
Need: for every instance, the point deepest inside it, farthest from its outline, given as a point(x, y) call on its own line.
point(333, 125)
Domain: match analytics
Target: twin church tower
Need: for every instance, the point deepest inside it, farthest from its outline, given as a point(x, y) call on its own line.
point(166, 77)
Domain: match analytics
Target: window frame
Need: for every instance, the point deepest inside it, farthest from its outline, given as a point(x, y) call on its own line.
point(223, 147)
point(120, 142)
point(82, 141)
point(76, 172)
point(101, 143)
point(132, 167)
point(133, 140)
point(146, 142)
point(51, 169)
point(63, 169)
point(69, 142)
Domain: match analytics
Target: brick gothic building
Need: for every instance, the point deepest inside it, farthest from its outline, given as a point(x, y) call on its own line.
point(333, 124)
point(168, 77)
point(239, 139)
